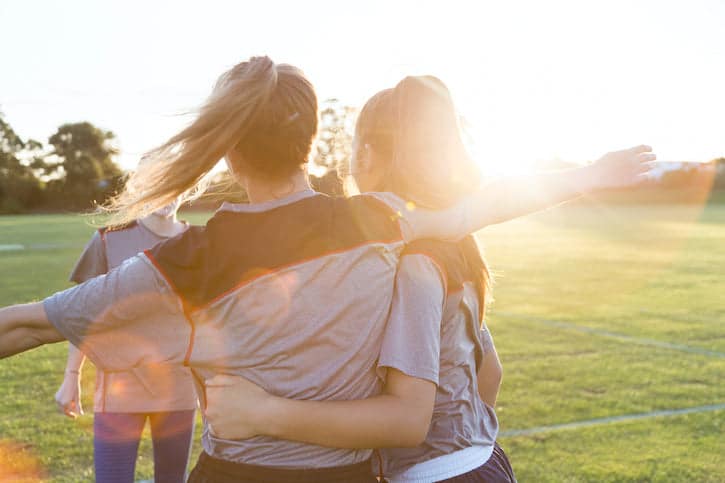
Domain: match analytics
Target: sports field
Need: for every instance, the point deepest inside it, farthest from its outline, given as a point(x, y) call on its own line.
point(601, 313)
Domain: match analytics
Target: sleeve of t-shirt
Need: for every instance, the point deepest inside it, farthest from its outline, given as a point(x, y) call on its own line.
point(125, 318)
point(92, 261)
point(417, 223)
point(411, 341)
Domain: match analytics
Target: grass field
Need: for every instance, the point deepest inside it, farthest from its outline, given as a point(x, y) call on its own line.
point(600, 312)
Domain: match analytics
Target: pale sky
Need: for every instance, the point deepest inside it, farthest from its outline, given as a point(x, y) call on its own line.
point(536, 79)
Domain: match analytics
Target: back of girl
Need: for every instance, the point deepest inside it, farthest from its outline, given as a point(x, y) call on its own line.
point(418, 117)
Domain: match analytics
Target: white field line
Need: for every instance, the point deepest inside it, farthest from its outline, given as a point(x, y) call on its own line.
point(16, 247)
point(613, 335)
point(611, 419)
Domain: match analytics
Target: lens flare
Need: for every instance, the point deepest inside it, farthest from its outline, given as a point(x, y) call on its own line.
point(19, 464)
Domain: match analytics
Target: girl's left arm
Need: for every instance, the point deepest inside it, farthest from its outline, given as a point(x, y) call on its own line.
point(510, 198)
point(24, 327)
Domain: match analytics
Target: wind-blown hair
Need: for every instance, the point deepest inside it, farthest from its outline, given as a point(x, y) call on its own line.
point(264, 111)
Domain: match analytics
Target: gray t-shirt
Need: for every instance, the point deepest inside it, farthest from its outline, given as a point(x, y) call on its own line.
point(460, 418)
point(412, 335)
point(293, 295)
point(150, 388)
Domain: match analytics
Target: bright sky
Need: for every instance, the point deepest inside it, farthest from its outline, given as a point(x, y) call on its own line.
point(536, 80)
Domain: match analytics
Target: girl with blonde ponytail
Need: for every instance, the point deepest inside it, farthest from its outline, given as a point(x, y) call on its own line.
point(238, 116)
point(292, 291)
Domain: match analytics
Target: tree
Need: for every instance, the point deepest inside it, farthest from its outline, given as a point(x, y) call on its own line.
point(82, 169)
point(20, 189)
point(334, 147)
point(719, 182)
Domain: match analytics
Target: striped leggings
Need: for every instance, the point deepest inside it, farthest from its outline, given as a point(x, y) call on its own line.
point(117, 436)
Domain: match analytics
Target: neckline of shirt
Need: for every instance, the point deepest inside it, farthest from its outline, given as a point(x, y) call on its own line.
point(143, 226)
point(267, 205)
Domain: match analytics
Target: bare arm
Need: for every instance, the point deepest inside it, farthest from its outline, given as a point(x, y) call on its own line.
point(510, 198)
point(490, 373)
point(68, 396)
point(23, 327)
point(75, 361)
point(399, 417)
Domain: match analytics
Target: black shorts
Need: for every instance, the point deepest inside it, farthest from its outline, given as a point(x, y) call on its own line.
point(496, 470)
point(213, 470)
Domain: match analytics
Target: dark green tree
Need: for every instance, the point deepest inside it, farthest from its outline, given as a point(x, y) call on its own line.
point(81, 166)
point(719, 182)
point(20, 189)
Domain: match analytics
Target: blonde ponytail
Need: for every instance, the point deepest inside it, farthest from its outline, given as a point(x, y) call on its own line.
point(238, 107)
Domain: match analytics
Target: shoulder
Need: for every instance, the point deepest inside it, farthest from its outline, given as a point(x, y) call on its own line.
point(449, 257)
point(107, 231)
point(378, 213)
point(182, 248)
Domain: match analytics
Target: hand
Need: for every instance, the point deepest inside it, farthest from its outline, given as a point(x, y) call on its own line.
point(235, 407)
point(620, 169)
point(68, 397)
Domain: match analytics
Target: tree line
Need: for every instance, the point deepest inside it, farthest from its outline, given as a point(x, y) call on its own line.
point(75, 169)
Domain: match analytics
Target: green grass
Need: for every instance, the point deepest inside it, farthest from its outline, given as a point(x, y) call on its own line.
point(643, 274)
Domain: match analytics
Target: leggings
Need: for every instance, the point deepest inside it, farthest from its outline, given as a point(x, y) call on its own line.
point(117, 436)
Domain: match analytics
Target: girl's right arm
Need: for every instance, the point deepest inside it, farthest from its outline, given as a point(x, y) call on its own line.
point(68, 397)
point(399, 417)
point(92, 263)
point(490, 373)
point(24, 327)
point(127, 317)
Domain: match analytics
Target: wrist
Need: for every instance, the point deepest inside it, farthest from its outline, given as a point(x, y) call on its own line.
point(587, 179)
point(270, 422)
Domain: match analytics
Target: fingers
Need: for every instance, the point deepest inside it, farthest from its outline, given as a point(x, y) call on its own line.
point(646, 157)
point(72, 409)
point(642, 148)
point(224, 380)
point(647, 169)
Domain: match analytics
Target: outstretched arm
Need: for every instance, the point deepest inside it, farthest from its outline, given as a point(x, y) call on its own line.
point(23, 327)
point(399, 417)
point(510, 198)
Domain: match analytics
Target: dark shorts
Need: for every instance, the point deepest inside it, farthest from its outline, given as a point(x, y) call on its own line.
point(496, 470)
point(213, 470)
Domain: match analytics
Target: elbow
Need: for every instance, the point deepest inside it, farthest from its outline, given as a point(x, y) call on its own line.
point(497, 373)
point(416, 428)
